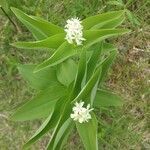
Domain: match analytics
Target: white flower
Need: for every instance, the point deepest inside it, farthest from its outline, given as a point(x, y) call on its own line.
point(80, 113)
point(73, 30)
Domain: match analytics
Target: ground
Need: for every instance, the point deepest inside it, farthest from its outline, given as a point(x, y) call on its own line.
point(120, 128)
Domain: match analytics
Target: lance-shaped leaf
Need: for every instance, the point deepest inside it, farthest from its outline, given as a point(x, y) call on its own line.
point(64, 115)
point(40, 28)
point(107, 48)
point(110, 23)
point(65, 51)
point(62, 135)
point(91, 66)
point(41, 105)
point(89, 85)
point(133, 18)
point(97, 75)
point(52, 42)
point(41, 79)
point(94, 36)
point(107, 64)
point(99, 20)
point(93, 60)
point(39, 133)
point(88, 133)
point(49, 123)
point(81, 72)
point(105, 98)
point(66, 72)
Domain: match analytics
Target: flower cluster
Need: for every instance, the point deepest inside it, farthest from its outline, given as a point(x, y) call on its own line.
point(80, 113)
point(74, 32)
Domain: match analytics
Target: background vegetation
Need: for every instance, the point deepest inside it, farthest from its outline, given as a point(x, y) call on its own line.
point(122, 128)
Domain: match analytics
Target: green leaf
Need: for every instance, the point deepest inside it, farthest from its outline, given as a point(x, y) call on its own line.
point(39, 133)
point(52, 42)
point(49, 123)
point(94, 36)
point(89, 85)
point(76, 88)
point(92, 63)
point(88, 133)
point(93, 60)
point(93, 92)
point(41, 105)
point(66, 72)
point(105, 98)
point(62, 135)
point(64, 115)
point(38, 27)
point(81, 72)
point(39, 80)
point(132, 18)
point(110, 24)
point(63, 52)
point(100, 19)
point(106, 65)
point(99, 73)
point(107, 48)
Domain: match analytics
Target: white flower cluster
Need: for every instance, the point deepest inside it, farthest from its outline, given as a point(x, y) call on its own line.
point(80, 113)
point(74, 32)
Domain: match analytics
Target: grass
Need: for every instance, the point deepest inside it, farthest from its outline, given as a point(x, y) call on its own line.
point(122, 128)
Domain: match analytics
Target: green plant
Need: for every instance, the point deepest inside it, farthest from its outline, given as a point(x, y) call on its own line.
point(72, 74)
point(120, 4)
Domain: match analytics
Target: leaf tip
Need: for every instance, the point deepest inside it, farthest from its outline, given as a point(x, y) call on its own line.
point(13, 9)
